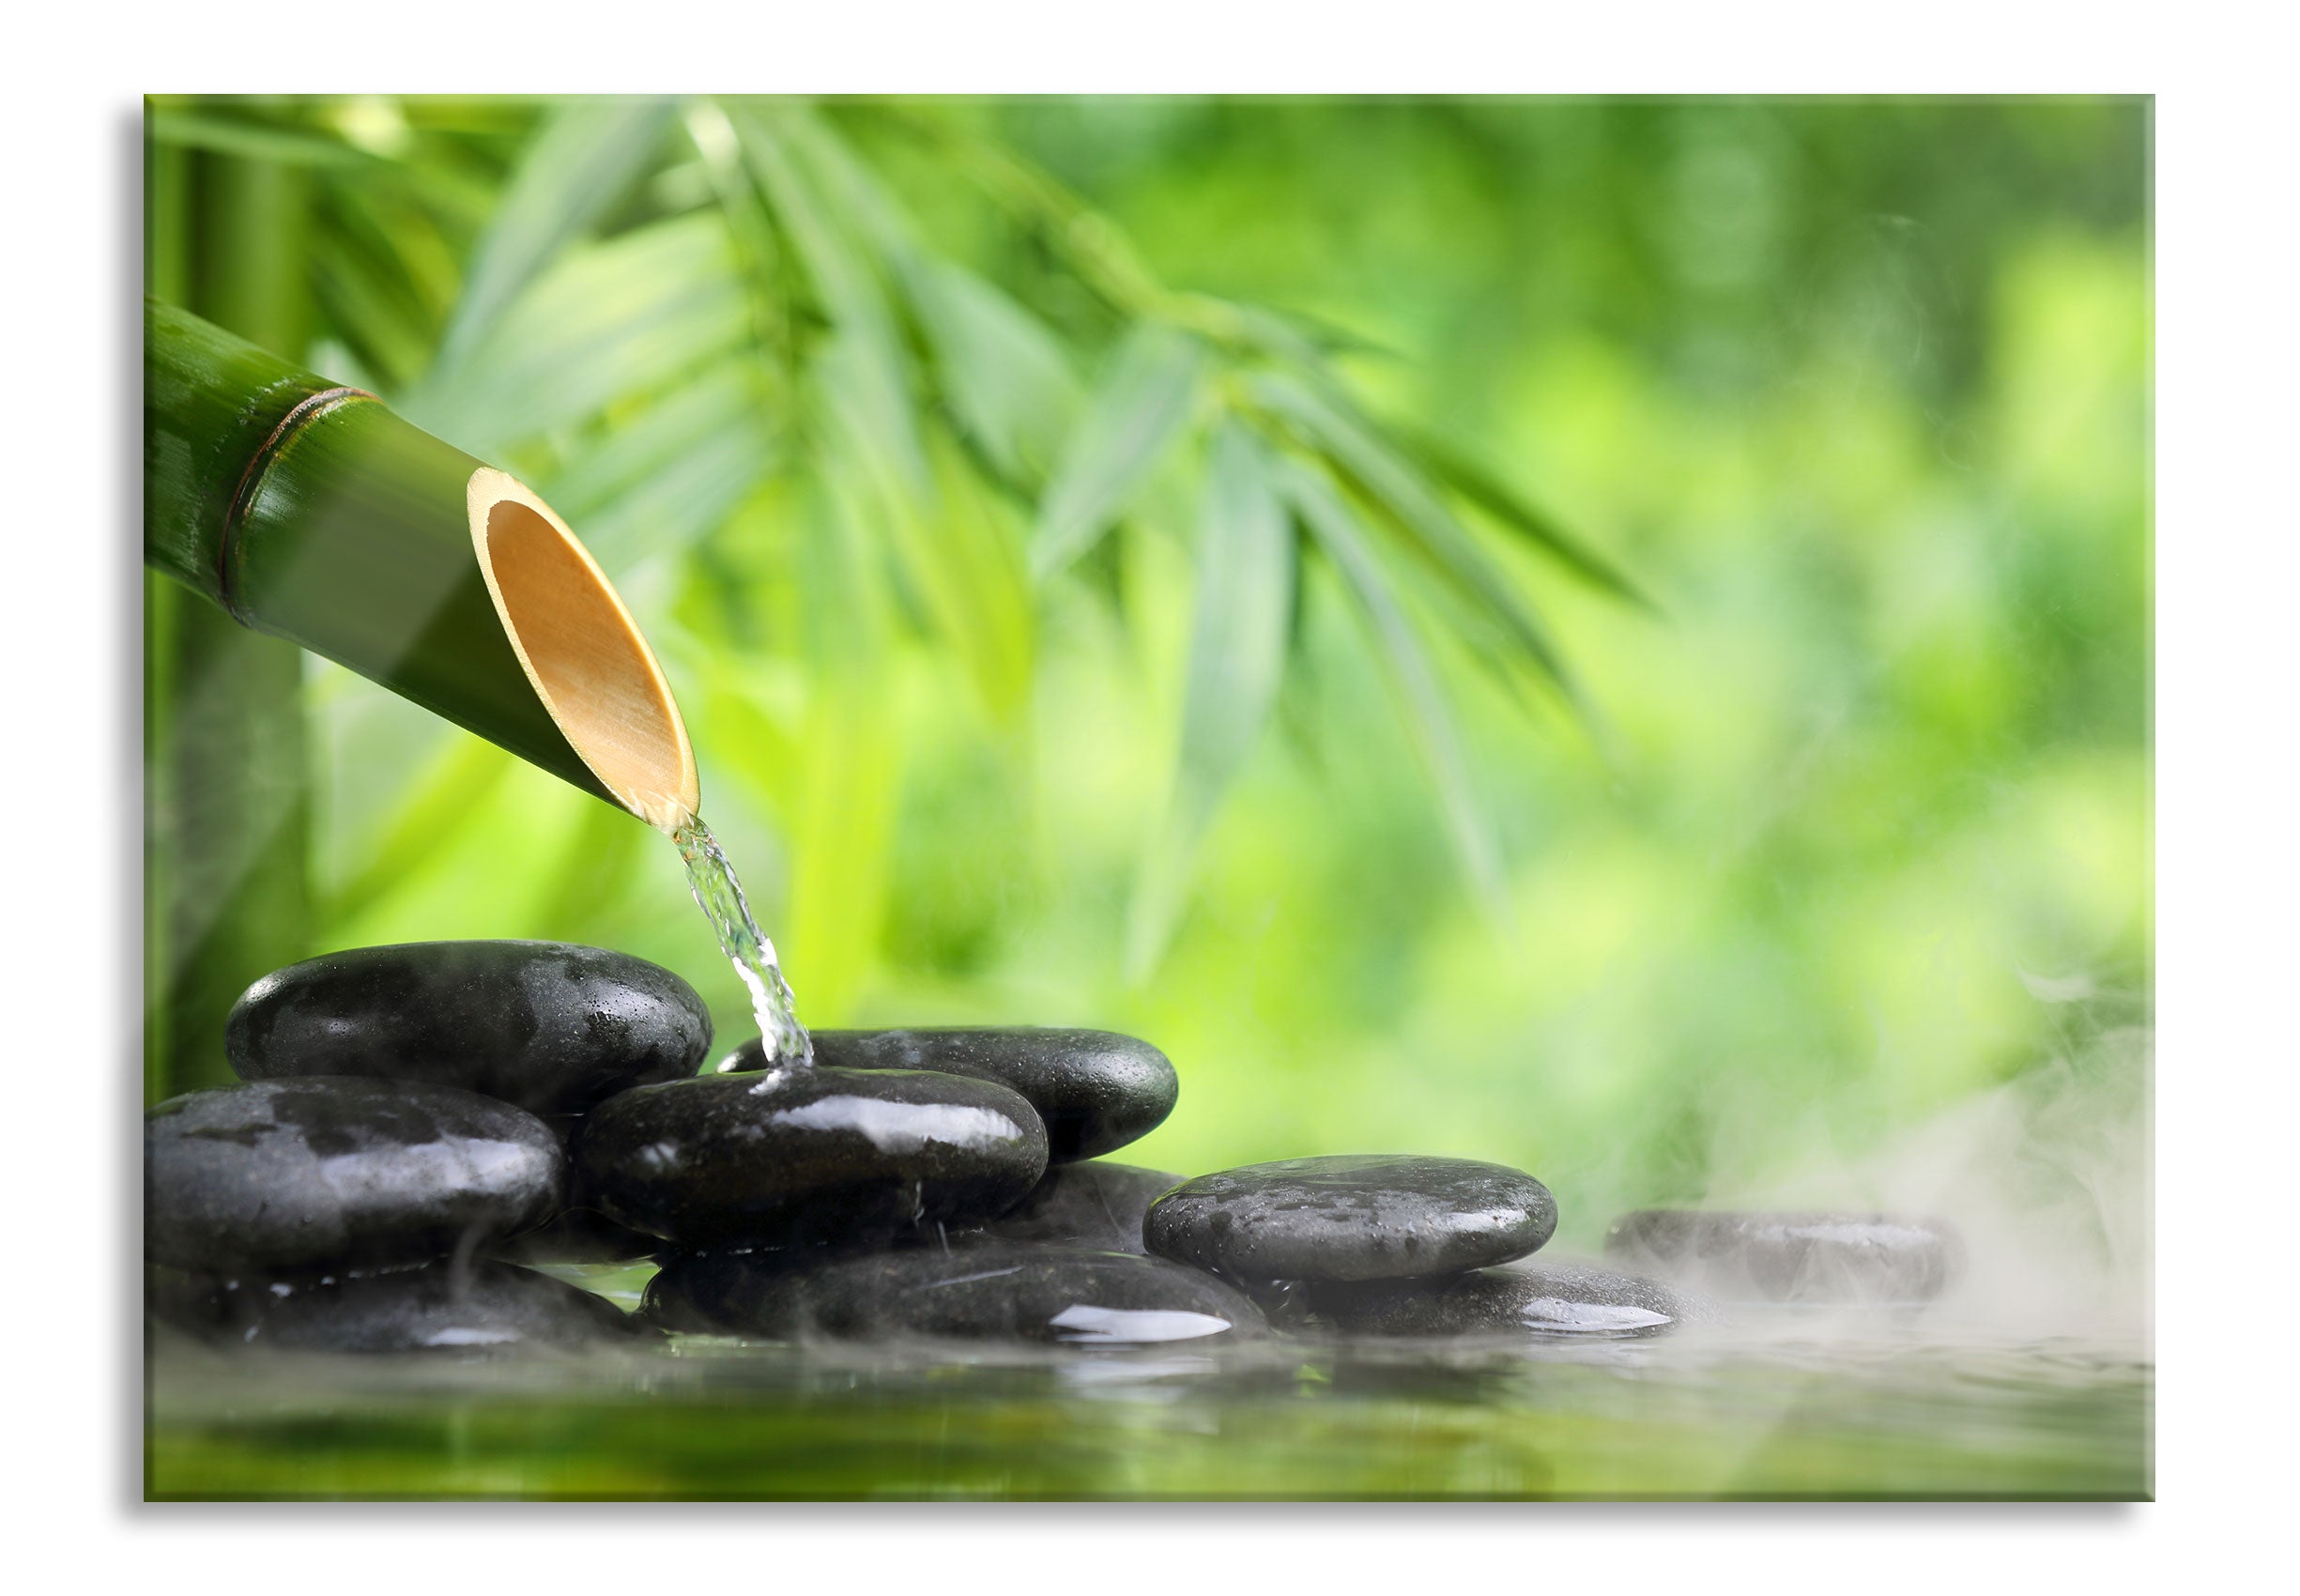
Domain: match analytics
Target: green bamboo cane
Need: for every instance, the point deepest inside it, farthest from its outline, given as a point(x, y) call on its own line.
point(228, 781)
point(310, 510)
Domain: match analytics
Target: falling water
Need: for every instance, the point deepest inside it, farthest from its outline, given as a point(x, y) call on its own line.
point(712, 881)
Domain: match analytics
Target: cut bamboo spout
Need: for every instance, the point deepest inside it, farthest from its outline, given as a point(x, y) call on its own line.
point(582, 652)
point(310, 510)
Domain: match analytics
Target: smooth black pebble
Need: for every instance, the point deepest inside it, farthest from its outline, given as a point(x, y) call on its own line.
point(1096, 1090)
point(469, 1309)
point(553, 1027)
point(1096, 1204)
point(307, 1173)
point(1352, 1218)
point(1792, 1257)
point(801, 1155)
point(1550, 1299)
point(977, 1289)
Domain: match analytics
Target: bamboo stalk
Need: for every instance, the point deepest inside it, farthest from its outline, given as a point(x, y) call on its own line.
point(310, 510)
point(228, 795)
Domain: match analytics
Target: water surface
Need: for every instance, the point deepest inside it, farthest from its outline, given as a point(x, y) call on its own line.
point(1786, 1406)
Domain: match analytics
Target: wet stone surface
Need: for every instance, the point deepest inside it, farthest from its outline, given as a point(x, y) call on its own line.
point(466, 1309)
point(1792, 1257)
point(1559, 1298)
point(301, 1174)
point(580, 1232)
point(553, 1027)
point(1096, 1090)
point(1354, 1218)
point(977, 1288)
point(801, 1155)
point(1096, 1204)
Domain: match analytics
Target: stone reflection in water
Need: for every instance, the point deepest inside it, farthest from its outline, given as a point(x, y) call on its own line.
point(1554, 1298)
point(1675, 1416)
point(453, 1307)
point(977, 1288)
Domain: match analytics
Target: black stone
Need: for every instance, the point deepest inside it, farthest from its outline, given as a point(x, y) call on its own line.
point(1352, 1219)
point(1096, 1090)
point(977, 1288)
point(1098, 1205)
point(1792, 1257)
point(550, 1026)
point(309, 1174)
point(580, 1232)
point(1551, 1300)
point(800, 1156)
point(466, 1309)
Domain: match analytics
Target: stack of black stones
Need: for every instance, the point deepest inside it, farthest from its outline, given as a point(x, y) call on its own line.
point(425, 1130)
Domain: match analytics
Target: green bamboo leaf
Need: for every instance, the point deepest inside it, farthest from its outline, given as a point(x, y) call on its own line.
point(1244, 595)
point(1300, 337)
point(1361, 456)
point(1244, 609)
point(584, 158)
point(1488, 493)
point(385, 276)
point(687, 499)
point(719, 151)
point(1098, 253)
point(660, 481)
point(639, 447)
point(1421, 701)
point(959, 573)
point(859, 199)
point(877, 388)
point(364, 305)
point(407, 236)
point(1137, 413)
point(606, 322)
point(254, 141)
point(1003, 372)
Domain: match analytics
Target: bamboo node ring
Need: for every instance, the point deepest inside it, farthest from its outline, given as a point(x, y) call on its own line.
point(306, 410)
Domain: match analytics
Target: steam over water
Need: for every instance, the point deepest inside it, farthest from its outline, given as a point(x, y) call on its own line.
point(720, 896)
point(2045, 1178)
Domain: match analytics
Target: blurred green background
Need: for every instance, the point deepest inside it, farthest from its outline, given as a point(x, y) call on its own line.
point(943, 450)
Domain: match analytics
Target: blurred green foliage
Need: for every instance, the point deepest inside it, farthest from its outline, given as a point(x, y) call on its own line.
point(1350, 768)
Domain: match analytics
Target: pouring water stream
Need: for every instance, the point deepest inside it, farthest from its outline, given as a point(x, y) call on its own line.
point(720, 896)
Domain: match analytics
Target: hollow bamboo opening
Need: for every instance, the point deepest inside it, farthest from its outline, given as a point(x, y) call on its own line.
point(581, 651)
